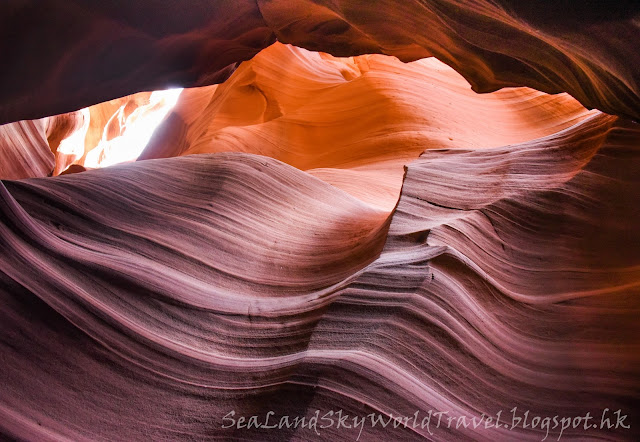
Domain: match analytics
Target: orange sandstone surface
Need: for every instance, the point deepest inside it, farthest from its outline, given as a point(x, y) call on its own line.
point(373, 209)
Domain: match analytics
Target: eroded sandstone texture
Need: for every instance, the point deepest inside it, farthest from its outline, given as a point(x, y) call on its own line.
point(585, 48)
point(307, 233)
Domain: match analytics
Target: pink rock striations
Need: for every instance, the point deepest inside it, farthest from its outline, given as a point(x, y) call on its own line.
point(150, 299)
point(153, 274)
point(33, 148)
point(24, 150)
point(320, 233)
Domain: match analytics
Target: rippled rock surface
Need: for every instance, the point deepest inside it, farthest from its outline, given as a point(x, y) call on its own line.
point(356, 229)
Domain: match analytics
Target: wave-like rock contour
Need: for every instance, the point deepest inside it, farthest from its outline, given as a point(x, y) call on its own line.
point(154, 299)
point(149, 300)
point(353, 122)
point(59, 57)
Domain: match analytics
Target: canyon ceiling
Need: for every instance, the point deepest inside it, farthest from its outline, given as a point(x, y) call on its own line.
point(382, 207)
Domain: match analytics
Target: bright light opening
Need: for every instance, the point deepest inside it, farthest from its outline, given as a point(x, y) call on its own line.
point(136, 130)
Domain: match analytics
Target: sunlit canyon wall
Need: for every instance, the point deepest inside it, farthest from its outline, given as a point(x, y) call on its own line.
point(400, 220)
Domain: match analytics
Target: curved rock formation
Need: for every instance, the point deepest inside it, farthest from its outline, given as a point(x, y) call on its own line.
point(247, 237)
point(126, 132)
point(353, 122)
point(24, 150)
point(106, 119)
point(189, 287)
point(81, 53)
point(66, 135)
point(509, 278)
point(39, 148)
point(123, 47)
point(257, 260)
point(585, 49)
point(101, 135)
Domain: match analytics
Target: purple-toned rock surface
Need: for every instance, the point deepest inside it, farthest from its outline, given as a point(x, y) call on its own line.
point(321, 237)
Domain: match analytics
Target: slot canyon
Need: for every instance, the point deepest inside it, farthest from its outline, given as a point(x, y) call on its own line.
point(301, 220)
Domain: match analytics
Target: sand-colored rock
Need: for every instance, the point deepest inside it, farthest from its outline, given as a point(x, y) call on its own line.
point(353, 122)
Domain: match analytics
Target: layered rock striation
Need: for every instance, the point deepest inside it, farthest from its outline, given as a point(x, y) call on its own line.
point(351, 232)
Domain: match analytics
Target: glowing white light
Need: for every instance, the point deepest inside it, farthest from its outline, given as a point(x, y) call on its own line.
point(73, 145)
point(136, 131)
